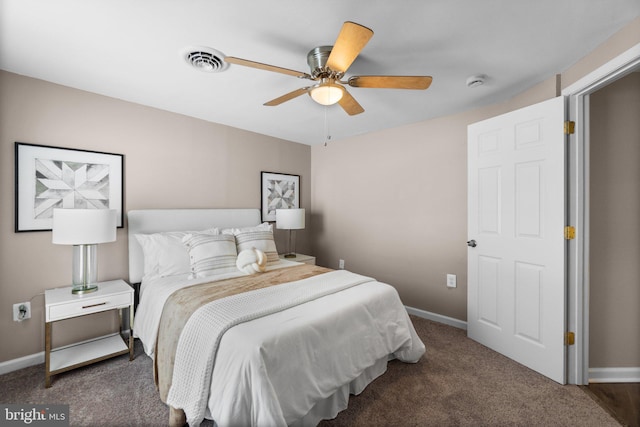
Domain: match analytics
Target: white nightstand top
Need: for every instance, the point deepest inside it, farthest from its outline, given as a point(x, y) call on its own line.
point(307, 259)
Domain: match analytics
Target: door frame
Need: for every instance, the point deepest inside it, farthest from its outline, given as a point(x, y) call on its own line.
point(578, 206)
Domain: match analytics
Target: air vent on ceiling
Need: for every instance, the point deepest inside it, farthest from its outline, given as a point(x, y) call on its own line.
point(205, 59)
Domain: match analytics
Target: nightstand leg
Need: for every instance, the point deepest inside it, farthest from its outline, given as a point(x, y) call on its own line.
point(47, 354)
point(130, 333)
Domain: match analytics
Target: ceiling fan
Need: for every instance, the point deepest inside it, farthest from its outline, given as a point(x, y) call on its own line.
point(329, 64)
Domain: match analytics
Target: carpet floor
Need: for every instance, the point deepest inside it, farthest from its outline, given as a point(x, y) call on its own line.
point(458, 383)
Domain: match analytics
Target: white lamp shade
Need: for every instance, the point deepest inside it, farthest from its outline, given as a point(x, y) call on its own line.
point(290, 219)
point(83, 226)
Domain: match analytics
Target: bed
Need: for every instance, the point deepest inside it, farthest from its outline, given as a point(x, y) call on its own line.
point(255, 341)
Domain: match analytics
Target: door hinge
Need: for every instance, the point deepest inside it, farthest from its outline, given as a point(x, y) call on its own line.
point(569, 232)
point(569, 338)
point(569, 127)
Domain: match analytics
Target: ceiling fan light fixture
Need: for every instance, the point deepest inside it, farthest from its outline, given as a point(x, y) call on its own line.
point(326, 93)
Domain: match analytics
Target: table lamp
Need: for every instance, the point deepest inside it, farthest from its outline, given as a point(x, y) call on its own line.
point(84, 229)
point(290, 219)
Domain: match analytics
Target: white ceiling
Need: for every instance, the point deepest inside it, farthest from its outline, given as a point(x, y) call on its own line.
point(131, 50)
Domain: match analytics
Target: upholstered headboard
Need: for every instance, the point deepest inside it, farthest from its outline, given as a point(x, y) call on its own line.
point(157, 220)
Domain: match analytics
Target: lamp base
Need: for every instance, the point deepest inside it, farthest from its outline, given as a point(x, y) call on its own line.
point(290, 256)
point(85, 269)
point(84, 289)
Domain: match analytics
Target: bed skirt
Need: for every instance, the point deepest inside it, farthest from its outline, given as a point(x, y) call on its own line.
point(329, 408)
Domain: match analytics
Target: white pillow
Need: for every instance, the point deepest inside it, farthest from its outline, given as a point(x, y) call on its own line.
point(210, 254)
point(150, 255)
point(164, 253)
point(265, 226)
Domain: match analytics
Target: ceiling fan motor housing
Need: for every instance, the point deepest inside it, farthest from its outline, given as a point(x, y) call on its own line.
point(317, 60)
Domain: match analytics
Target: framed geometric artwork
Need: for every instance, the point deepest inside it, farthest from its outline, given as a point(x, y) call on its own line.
point(278, 191)
point(54, 177)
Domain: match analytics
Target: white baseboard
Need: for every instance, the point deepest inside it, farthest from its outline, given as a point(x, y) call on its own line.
point(21, 362)
point(614, 375)
point(461, 324)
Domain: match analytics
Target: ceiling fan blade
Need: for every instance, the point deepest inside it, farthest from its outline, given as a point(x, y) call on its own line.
point(391, 82)
point(349, 104)
point(287, 97)
point(267, 67)
point(351, 40)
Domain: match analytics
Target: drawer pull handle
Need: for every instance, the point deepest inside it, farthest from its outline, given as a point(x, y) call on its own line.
point(94, 305)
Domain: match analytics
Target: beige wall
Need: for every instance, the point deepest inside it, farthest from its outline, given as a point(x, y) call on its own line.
point(393, 205)
point(171, 161)
point(614, 271)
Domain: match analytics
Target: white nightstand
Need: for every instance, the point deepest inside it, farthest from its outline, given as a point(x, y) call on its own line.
point(61, 304)
point(307, 259)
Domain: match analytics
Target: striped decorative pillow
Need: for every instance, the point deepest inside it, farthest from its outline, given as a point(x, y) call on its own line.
point(211, 254)
point(260, 238)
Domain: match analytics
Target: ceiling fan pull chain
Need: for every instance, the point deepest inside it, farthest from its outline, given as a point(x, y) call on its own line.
point(326, 127)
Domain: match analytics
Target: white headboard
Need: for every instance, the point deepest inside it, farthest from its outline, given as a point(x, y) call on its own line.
point(157, 220)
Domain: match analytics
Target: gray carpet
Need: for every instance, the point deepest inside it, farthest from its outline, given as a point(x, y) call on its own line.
point(458, 383)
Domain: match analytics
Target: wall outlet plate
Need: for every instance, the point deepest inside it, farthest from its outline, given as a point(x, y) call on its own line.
point(451, 281)
point(21, 311)
point(341, 264)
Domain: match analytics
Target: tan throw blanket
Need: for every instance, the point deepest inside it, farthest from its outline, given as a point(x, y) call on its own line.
point(182, 303)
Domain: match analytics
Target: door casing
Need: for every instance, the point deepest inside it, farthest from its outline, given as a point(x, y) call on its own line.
point(578, 206)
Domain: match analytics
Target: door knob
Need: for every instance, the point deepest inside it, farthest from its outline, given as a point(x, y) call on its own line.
point(472, 243)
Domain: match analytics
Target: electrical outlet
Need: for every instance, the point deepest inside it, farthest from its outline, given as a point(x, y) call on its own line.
point(341, 264)
point(21, 311)
point(451, 281)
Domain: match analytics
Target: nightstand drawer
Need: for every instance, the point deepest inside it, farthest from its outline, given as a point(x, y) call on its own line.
point(88, 306)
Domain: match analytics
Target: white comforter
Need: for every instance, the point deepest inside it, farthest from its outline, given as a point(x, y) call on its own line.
point(298, 366)
point(155, 292)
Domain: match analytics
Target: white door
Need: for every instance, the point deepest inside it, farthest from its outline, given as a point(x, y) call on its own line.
point(516, 277)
